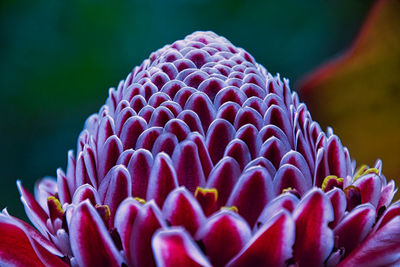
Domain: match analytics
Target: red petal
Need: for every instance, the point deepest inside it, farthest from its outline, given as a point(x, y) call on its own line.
point(174, 247)
point(90, 241)
point(21, 245)
point(270, 246)
point(147, 222)
point(355, 227)
point(225, 227)
point(314, 239)
point(251, 193)
point(182, 209)
point(381, 248)
point(162, 179)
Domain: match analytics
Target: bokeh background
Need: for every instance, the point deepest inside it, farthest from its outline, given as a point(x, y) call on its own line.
point(58, 59)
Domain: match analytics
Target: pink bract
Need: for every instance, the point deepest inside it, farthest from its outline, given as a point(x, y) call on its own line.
point(203, 158)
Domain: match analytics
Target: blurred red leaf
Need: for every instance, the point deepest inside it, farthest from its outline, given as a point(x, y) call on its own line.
point(358, 93)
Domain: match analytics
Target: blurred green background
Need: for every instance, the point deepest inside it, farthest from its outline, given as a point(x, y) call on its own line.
point(58, 59)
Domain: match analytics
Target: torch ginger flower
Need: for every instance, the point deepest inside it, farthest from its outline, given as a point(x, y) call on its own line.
point(203, 158)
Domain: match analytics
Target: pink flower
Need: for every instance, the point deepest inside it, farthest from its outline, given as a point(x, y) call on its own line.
point(203, 158)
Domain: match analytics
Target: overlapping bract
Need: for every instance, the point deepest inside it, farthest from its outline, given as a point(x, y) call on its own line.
point(202, 158)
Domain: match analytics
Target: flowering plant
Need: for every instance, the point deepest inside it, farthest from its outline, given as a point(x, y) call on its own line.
point(203, 158)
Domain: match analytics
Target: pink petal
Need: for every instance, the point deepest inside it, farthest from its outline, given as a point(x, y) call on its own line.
point(370, 188)
point(225, 227)
point(63, 189)
point(336, 159)
point(355, 227)
point(115, 187)
point(381, 248)
point(289, 176)
point(238, 150)
point(339, 204)
point(162, 179)
point(285, 201)
point(174, 247)
point(21, 245)
point(188, 166)
point(270, 246)
point(91, 243)
point(108, 156)
point(86, 191)
point(131, 131)
point(220, 133)
point(249, 134)
point(33, 210)
point(147, 222)
point(251, 193)
point(182, 209)
point(201, 105)
point(314, 239)
point(223, 177)
point(139, 167)
point(124, 220)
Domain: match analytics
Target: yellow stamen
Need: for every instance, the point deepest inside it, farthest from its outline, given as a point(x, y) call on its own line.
point(328, 178)
point(56, 203)
point(232, 208)
point(105, 211)
point(289, 189)
point(363, 170)
point(206, 191)
point(140, 200)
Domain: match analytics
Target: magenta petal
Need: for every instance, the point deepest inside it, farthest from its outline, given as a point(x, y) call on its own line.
point(392, 212)
point(220, 133)
point(249, 134)
point(91, 243)
point(162, 179)
point(296, 159)
point(165, 143)
point(355, 227)
point(108, 156)
point(115, 187)
point(204, 156)
point(124, 220)
point(381, 248)
point(238, 150)
point(131, 131)
point(182, 209)
point(33, 210)
point(225, 227)
point(288, 176)
point(147, 138)
point(63, 190)
point(192, 120)
point(285, 201)
point(139, 167)
point(251, 193)
point(270, 246)
point(223, 177)
point(147, 222)
point(174, 247)
point(274, 149)
point(86, 191)
point(370, 186)
point(339, 204)
point(201, 105)
point(188, 166)
point(387, 194)
point(336, 158)
point(314, 239)
point(45, 188)
point(21, 245)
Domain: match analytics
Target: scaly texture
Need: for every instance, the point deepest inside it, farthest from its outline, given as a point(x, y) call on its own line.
point(202, 158)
